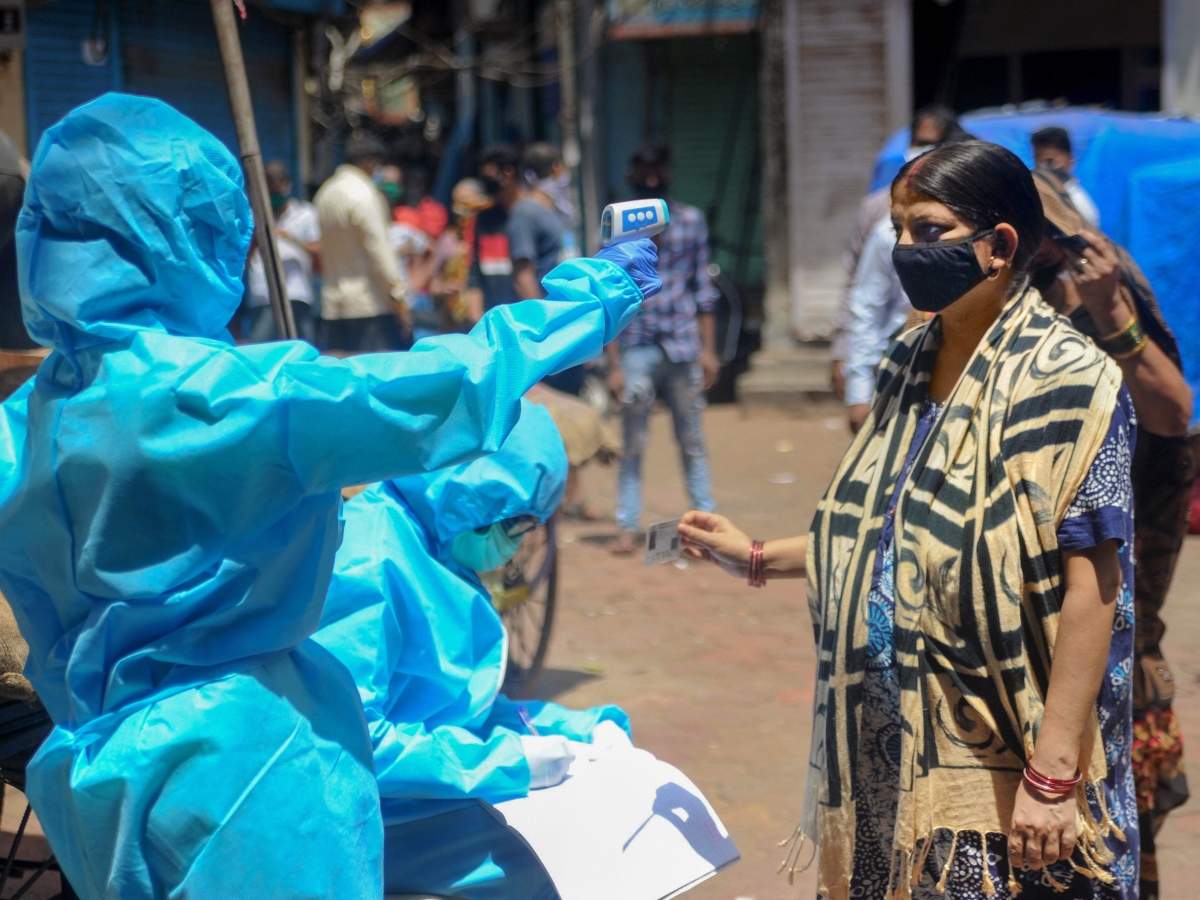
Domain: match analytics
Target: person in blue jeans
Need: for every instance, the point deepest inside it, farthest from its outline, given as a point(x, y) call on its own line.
point(667, 352)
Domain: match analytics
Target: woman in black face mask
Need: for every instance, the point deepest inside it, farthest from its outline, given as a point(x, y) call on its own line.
point(968, 579)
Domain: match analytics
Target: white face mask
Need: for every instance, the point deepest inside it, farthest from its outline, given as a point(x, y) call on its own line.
point(916, 150)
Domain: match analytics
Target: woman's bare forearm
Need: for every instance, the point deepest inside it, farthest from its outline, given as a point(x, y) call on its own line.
point(1093, 580)
point(786, 557)
point(1160, 393)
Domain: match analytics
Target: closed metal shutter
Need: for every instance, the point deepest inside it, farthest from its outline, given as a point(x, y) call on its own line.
point(709, 94)
point(161, 49)
point(169, 51)
point(842, 46)
point(56, 77)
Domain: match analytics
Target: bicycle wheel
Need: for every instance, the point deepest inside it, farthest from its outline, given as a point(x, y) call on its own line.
point(24, 724)
point(524, 593)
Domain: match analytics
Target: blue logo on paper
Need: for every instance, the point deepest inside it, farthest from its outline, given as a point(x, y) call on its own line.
point(639, 217)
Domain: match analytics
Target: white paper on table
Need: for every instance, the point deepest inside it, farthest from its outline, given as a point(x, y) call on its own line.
point(623, 824)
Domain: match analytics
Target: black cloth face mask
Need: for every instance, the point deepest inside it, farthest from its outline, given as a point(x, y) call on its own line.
point(937, 273)
point(649, 191)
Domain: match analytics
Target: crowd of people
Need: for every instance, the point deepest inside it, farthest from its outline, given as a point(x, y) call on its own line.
point(913, 258)
point(374, 263)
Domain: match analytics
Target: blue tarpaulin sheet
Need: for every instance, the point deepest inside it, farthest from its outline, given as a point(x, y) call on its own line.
point(1143, 171)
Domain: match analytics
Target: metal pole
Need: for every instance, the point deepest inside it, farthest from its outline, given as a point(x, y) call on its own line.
point(590, 149)
point(252, 164)
point(801, 315)
point(568, 95)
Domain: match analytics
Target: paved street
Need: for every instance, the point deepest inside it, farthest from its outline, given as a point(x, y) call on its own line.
point(718, 678)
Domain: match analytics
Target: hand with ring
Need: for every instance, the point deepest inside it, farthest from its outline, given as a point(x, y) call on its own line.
point(1097, 276)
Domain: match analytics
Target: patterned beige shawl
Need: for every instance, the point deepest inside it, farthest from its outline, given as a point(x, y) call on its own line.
point(978, 587)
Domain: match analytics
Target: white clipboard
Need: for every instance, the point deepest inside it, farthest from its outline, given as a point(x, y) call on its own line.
point(624, 824)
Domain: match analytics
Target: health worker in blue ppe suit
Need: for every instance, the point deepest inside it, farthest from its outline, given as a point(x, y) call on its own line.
point(170, 510)
point(410, 618)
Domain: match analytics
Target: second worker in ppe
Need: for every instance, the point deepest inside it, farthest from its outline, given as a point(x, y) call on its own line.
point(411, 619)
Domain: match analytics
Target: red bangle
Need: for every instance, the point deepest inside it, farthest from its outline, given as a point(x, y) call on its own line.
point(1048, 785)
point(757, 576)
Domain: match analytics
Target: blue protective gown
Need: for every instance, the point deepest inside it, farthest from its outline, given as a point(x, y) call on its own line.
point(169, 514)
point(427, 650)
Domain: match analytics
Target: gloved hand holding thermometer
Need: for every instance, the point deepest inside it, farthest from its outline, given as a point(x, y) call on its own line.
point(625, 232)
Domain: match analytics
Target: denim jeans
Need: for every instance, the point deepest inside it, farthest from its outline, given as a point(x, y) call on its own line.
point(370, 334)
point(259, 323)
point(649, 375)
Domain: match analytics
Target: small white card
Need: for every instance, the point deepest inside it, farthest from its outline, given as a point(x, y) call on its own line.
point(663, 543)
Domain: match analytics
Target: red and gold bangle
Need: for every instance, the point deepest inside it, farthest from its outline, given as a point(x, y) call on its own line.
point(758, 571)
point(1047, 785)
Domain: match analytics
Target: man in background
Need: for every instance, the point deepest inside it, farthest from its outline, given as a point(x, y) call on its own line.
point(518, 240)
point(418, 204)
point(1052, 151)
point(876, 312)
point(668, 351)
point(19, 355)
point(549, 182)
point(364, 305)
point(298, 235)
point(931, 126)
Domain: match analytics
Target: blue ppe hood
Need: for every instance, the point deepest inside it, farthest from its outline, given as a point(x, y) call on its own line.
point(135, 218)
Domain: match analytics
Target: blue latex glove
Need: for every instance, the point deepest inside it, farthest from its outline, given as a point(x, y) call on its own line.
point(638, 258)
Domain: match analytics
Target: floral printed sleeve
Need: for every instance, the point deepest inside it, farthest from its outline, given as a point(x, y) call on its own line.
point(1103, 508)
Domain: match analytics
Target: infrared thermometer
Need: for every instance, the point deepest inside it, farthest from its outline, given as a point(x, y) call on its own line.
point(633, 219)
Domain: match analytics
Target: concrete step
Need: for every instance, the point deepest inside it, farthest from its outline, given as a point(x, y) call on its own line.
point(793, 375)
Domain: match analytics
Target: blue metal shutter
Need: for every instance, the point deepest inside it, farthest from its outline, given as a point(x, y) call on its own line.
point(162, 49)
point(170, 51)
point(56, 77)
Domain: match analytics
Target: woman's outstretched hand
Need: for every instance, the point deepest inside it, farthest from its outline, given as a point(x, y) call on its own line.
point(714, 538)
